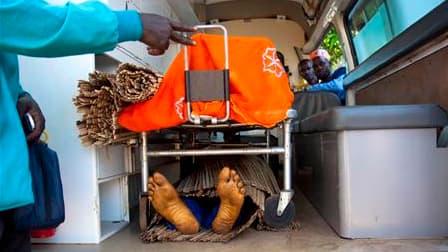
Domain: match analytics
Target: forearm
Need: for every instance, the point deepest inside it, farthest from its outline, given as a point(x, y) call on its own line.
point(335, 85)
point(36, 28)
point(323, 87)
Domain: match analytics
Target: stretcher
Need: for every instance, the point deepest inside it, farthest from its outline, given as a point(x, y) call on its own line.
point(213, 85)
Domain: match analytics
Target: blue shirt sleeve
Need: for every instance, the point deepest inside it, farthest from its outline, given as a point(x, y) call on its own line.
point(36, 28)
point(335, 86)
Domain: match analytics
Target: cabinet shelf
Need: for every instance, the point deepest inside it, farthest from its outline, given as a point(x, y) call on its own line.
point(109, 228)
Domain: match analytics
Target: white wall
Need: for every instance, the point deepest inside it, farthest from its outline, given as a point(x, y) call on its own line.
point(53, 84)
point(284, 33)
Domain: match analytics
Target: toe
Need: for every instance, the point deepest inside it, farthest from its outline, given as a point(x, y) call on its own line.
point(236, 178)
point(151, 187)
point(224, 175)
point(159, 179)
point(151, 182)
point(239, 184)
point(243, 191)
point(233, 174)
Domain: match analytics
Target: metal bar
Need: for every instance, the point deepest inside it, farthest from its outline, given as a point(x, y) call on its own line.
point(226, 46)
point(227, 113)
point(268, 143)
point(106, 179)
point(226, 67)
point(244, 127)
point(186, 66)
point(287, 155)
point(144, 159)
point(247, 151)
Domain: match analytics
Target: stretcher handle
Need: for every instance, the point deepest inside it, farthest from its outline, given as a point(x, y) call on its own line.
point(226, 45)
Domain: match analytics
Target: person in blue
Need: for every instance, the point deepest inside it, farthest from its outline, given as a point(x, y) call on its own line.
point(328, 81)
point(37, 28)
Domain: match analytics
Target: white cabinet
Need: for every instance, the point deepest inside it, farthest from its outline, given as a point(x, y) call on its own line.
point(94, 179)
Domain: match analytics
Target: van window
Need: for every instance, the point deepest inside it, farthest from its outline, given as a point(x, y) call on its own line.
point(332, 44)
point(373, 23)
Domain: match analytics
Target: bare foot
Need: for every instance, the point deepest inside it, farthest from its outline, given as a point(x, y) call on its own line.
point(230, 190)
point(166, 201)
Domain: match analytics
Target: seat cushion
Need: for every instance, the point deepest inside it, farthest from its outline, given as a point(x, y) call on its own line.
point(375, 117)
point(309, 103)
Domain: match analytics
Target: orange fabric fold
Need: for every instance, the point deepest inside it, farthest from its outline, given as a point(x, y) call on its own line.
point(259, 87)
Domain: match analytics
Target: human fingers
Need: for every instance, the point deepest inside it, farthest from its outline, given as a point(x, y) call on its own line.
point(155, 51)
point(181, 38)
point(39, 124)
point(182, 27)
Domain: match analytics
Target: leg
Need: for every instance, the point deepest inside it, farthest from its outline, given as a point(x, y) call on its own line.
point(12, 240)
point(231, 191)
point(167, 203)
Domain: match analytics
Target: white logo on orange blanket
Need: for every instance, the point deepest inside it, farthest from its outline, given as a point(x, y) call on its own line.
point(179, 105)
point(271, 63)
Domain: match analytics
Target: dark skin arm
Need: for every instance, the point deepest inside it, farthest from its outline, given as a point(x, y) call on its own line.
point(159, 30)
point(26, 104)
point(157, 33)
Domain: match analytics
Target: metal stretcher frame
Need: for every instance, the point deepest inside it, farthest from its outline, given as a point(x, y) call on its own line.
point(286, 194)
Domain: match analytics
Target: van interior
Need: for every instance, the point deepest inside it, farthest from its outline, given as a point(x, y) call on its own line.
point(365, 173)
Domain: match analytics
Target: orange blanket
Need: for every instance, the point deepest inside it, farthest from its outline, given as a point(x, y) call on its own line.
point(259, 87)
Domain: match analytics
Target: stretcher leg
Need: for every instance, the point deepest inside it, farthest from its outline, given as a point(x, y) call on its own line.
point(143, 201)
point(280, 209)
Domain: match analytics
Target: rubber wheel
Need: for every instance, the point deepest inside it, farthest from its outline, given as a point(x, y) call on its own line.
point(270, 213)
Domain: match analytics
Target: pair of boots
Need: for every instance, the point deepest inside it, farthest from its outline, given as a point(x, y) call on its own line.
point(166, 201)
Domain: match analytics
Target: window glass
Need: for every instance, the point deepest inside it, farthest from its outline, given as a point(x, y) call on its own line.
point(373, 23)
point(332, 44)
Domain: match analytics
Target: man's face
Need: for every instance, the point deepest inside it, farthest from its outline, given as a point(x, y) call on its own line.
point(322, 68)
point(307, 71)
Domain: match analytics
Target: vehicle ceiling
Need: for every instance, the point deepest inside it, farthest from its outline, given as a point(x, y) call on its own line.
point(304, 12)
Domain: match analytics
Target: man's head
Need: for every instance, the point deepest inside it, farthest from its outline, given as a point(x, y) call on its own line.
point(307, 72)
point(321, 62)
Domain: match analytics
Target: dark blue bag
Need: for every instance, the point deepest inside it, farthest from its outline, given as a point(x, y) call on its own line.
point(48, 208)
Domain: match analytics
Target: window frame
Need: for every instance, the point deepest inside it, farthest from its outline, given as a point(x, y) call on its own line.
point(346, 15)
point(347, 32)
point(428, 27)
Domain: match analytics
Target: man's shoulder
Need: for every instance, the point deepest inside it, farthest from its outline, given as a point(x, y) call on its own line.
point(341, 71)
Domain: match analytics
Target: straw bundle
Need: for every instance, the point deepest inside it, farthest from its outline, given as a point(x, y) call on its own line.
point(104, 95)
point(259, 182)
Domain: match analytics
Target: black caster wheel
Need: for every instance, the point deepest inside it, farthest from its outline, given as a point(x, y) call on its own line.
point(270, 213)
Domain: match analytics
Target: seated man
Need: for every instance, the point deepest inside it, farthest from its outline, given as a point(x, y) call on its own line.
point(306, 72)
point(321, 62)
point(322, 67)
point(185, 214)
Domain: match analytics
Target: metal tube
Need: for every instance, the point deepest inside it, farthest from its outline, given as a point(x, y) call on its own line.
point(144, 163)
point(186, 66)
point(226, 45)
point(268, 143)
point(190, 117)
point(247, 151)
point(287, 155)
point(227, 113)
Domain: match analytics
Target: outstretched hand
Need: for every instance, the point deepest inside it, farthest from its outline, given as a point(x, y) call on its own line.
point(158, 30)
point(26, 104)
